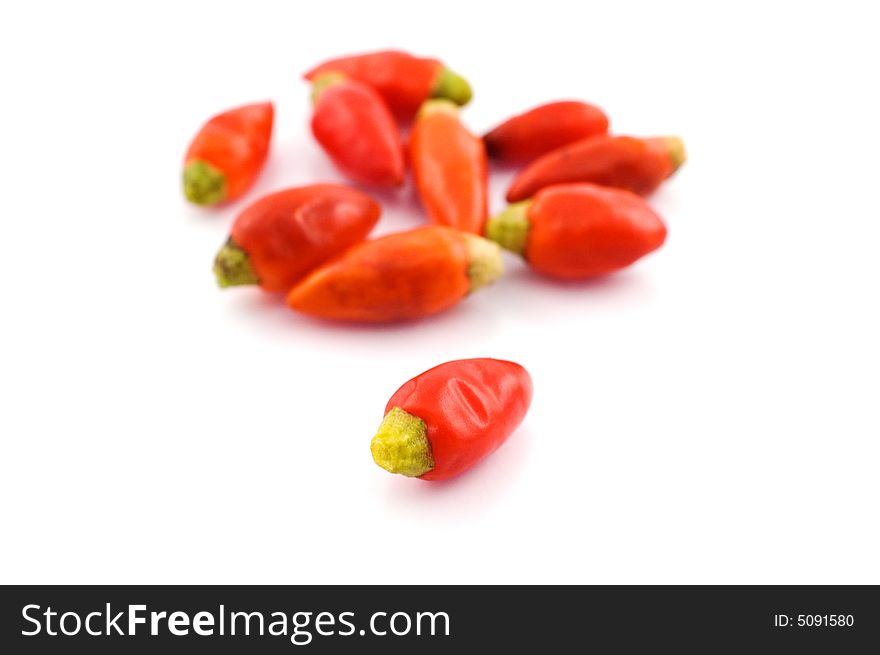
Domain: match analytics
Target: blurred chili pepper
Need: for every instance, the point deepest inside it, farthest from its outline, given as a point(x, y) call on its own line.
point(403, 80)
point(444, 421)
point(538, 131)
point(227, 154)
point(449, 168)
point(281, 237)
point(626, 162)
point(400, 276)
point(575, 231)
point(355, 127)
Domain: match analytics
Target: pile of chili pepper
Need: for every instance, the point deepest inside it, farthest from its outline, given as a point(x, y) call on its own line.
point(577, 211)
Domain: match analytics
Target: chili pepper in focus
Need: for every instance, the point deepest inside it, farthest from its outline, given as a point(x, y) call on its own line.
point(403, 80)
point(400, 276)
point(227, 154)
point(444, 421)
point(355, 127)
point(281, 237)
point(449, 168)
point(538, 131)
point(577, 231)
point(626, 162)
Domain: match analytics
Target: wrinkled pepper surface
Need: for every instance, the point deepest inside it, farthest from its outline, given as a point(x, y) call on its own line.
point(449, 168)
point(403, 80)
point(227, 154)
point(400, 276)
point(538, 131)
point(280, 238)
point(449, 418)
point(355, 127)
point(579, 231)
point(625, 162)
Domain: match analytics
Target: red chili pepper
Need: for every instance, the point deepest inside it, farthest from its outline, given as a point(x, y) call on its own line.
point(355, 127)
point(399, 276)
point(403, 80)
point(638, 165)
point(227, 154)
point(281, 237)
point(449, 167)
point(444, 421)
point(538, 131)
point(576, 231)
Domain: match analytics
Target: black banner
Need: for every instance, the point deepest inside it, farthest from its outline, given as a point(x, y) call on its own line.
point(438, 619)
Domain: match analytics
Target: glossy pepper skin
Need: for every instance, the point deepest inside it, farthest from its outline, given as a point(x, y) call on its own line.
point(449, 168)
point(400, 276)
point(625, 162)
point(579, 231)
point(227, 154)
point(529, 135)
point(280, 238)
point(354, 126)
point(403, 80)
point(449, 418)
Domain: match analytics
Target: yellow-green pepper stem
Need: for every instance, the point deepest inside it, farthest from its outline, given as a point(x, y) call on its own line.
point(676, 151)
point(203, 184)
point(452, 86)
point(401, 444)
point(232, 266)
point(325, 80)
point(510, 227)
point(439, 106)
point(485, 264)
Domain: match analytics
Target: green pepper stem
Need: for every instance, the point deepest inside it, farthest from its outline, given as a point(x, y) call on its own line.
point(401, 444)
point(485, 264)
point(676, 151)
point(325, 80)
point(510, 227)
point(232, 266)
point(203, 184)
point(452, 86)
point(437, 106)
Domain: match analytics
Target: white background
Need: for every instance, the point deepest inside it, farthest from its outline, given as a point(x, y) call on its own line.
point(710, 415)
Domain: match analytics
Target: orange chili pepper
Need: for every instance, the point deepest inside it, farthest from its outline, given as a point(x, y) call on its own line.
point(227, 154)
point(400, 276)
point(450, 168)
point(403, 80)
point(281, 237)
point(577, 231)
point(355, 127)
point(449, 418)
point(626, 162)
point(542, 129)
